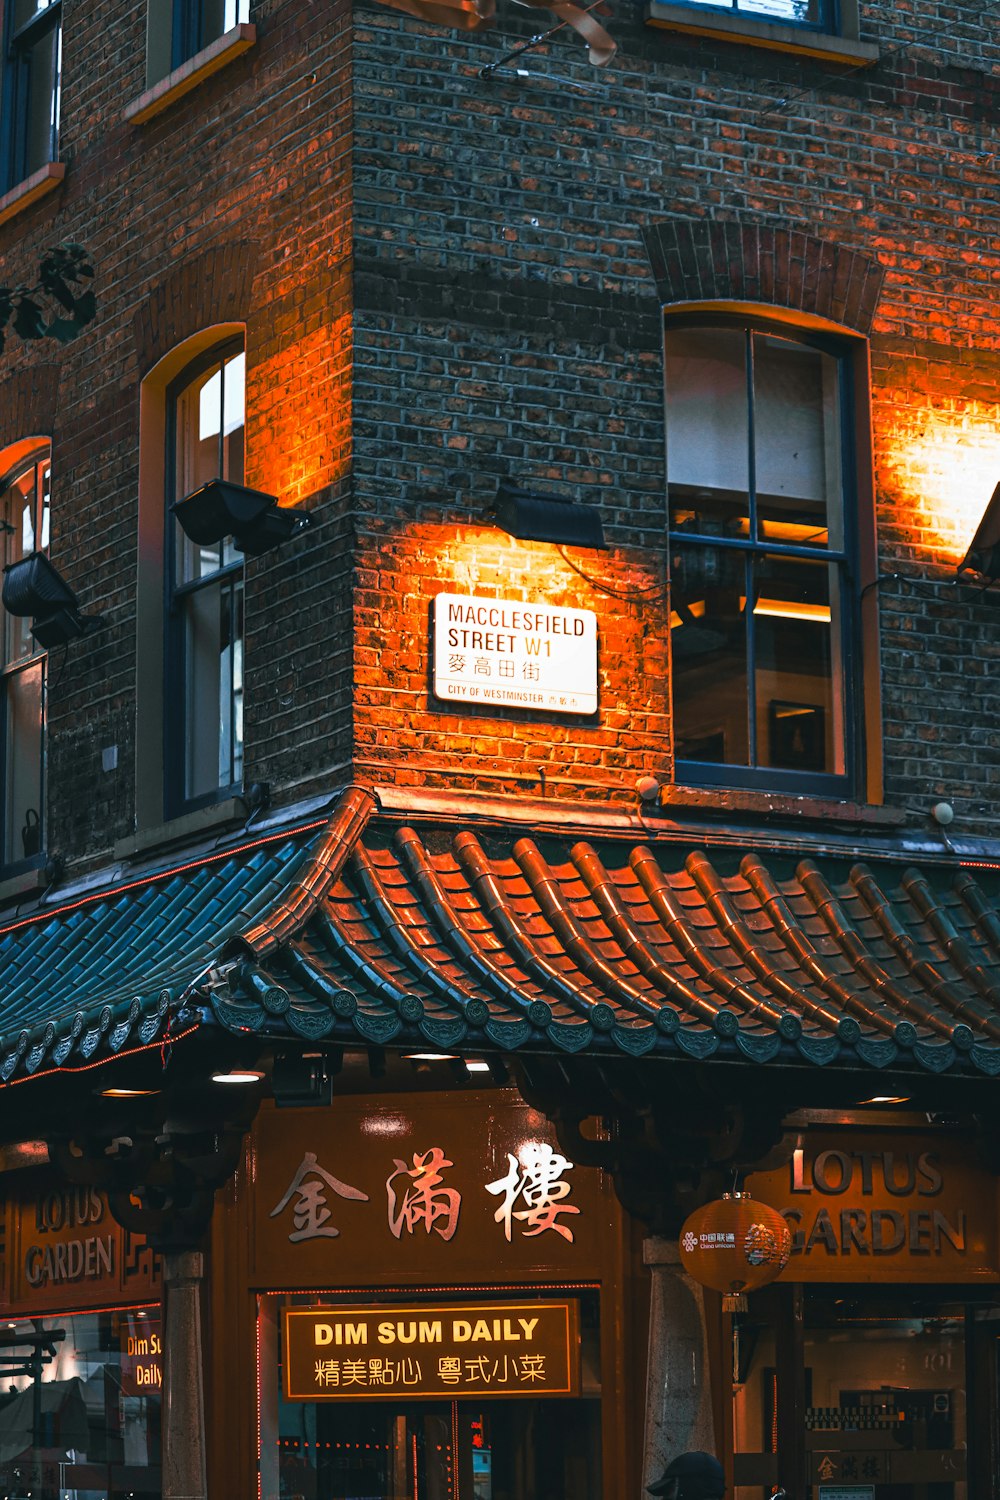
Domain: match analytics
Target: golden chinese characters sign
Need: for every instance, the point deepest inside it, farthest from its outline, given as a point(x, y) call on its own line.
point(423, 1352)
point(428, 1190)
point(885, 1206)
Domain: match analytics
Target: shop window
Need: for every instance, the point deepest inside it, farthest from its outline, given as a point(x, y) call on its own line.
point(204, 649)
point(763, 541)
point(30, 90)
point(80, 1410)
point(178, 30)
point(860, 1392)
point(24, 518)
point(505, 1442)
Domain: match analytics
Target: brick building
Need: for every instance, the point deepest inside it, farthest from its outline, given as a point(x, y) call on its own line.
point(581, 732)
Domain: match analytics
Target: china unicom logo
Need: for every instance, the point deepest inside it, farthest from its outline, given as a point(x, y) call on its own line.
point(690, 1242)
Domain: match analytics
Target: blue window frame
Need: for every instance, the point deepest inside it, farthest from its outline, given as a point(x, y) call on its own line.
point(32, 64)
point(821, 15)
point(204, 584)
point(763, 540)
point(24, 517)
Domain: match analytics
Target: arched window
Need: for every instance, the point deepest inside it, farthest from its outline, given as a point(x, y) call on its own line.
point(763, 540)
point(204, 648)
point(24, 516)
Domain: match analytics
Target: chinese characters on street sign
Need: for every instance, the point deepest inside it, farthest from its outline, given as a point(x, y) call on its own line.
point(501, 651)
point(419, 1198)
point(422, 1352)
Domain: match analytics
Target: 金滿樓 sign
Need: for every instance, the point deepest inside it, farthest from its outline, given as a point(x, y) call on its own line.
point(519, 655)
point(423, 1352)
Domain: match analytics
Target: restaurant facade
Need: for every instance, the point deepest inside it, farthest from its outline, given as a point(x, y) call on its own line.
point(498, 749)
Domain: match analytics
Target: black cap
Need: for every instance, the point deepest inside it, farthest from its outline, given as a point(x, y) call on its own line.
point(697, 1476)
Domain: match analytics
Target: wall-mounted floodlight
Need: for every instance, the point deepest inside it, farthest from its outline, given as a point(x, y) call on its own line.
point(34, 588)
point(254, 520)
point(983, 556)
point(541, 518)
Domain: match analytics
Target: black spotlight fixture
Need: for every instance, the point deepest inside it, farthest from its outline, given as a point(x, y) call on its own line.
point(255, 521)
point(34, 588)
point(542, 518)
point(983, 556)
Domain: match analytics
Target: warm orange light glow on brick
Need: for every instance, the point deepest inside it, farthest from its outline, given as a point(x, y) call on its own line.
point(298, 415)
point(942, 466)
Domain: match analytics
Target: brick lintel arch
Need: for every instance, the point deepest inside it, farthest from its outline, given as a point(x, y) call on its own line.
point(211, 288)
point(702, 260)
point(29, 400)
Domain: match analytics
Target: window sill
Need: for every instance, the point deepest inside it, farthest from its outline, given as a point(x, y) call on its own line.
point(729, 801)
point(31, 189)
point(188, 76)
point(16, 886)
point(183, 829)
point(754, 33)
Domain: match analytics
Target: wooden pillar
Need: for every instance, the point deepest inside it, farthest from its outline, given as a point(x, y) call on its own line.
point(678, 1387)
point(790, 1360)
point(184, 1470)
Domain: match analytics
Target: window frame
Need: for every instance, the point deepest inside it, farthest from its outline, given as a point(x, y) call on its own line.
point(18, 45)
point(853, 561)
point(33, 456)
point(229, 577)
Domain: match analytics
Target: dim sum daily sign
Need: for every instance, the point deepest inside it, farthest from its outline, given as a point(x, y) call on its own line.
point(501, 1349)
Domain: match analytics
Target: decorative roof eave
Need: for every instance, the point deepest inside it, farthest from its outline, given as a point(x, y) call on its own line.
point(474, 951)
point(360, 929)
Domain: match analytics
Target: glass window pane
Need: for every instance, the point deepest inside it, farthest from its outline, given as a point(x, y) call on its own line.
point(208, 444)
point(87, 1429)
point(41, 112)
point(213, 638)
point(23, 762)
point(799, 676)
point(709, 652)
point(220, 16)
point(797, 438)
point(707, 442)
point(20, 515)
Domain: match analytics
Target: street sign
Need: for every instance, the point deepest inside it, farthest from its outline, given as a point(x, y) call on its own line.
point(516, 655)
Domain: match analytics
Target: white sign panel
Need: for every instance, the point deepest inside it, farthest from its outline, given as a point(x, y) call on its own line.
point(521, 655)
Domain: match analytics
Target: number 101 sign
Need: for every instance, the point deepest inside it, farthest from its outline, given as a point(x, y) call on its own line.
point(503, 651)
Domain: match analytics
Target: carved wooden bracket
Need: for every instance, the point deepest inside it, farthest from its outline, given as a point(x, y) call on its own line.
point(675, 1142)
point(161, 1185)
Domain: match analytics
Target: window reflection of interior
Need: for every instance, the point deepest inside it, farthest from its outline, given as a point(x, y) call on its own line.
point(754, 462)
point(77, 1406)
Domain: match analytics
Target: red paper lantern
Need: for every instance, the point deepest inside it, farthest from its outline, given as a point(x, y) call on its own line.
point(735, 1246)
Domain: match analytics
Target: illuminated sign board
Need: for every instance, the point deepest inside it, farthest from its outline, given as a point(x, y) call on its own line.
point(514, 654)
point(421, 1352)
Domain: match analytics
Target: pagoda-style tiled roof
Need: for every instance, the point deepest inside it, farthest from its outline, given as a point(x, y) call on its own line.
point(476, 939)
